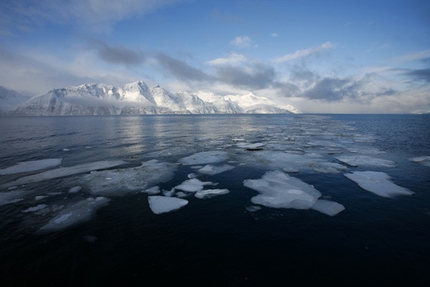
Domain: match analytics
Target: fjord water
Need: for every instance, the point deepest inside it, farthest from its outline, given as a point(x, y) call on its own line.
point(226, 239)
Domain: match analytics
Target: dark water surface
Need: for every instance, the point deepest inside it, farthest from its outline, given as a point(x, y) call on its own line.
point(217, 241)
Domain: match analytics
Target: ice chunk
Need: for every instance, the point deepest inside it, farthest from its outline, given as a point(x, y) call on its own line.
point(152, 190)
point(35, 208)
point(253, 208)
point(192, 185)
point(377, 182)
point(250, 146)
point(356, 160)
point(12, 196)
point(65, 171)
point(74, 214)
point(280, 190)
point(328, 207)
point(162, 204)
point(122, 181)
point(212, 169)
point(329, 167)
point(204, 158)
point(75, 189)
point(40, 197)
point(33, 165)
point(208, 193)
point(424, 160)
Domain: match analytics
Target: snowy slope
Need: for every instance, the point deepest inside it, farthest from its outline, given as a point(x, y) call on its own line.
point(9, 99)
point(136, 98)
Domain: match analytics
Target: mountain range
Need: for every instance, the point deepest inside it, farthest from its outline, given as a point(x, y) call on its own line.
point(136, 99)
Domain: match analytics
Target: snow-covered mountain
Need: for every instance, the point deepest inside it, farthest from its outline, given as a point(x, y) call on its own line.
point(9, 99)
point(136, 99)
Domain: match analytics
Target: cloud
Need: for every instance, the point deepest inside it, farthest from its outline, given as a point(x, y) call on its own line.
point(274, 35)
point(90, 15)
point(334, 89)
point(232, 59)
point(419, 74)
point(118, 54)
point(302, 53)
point(181, 70)
point(241, 42)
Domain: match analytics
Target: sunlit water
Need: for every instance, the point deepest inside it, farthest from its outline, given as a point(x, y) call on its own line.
point(218, 241)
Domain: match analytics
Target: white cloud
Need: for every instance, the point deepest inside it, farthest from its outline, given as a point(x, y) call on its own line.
point(233, 59)
point(241, 42)
point(302, 53)
point(274, 35)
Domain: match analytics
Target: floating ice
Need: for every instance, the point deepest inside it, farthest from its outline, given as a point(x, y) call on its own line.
point(212, 169)
point(208, 193)
point(75, 189)
point(76, 213)
point(33, 165)
point(329, 167)
point(65, 171)
point(253, 208)
point(279, 190)
point(12, 196)
point(377, 182)
point(424, 160)
point(121, 181)
point(328, 207)
point(162, 204)
point(192, 185)
point(204, 158)
point(152, 190)
point(251, 146)
point(40, 197)
point(35, 208)
point(356, 160)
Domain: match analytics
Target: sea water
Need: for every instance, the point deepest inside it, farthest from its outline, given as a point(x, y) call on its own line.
point(231, 200)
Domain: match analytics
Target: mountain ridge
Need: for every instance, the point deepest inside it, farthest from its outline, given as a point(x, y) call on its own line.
point(137, 99)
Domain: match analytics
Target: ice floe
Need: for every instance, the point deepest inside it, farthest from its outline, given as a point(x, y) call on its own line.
point(378, 183)
point(119, 182)
point(33, 165)
point(12, 196)
point(280, 190)
point(208, 193)
point(152, 190)
point(328, 207)
point(65, 171)
point(75, 213)
point(192, 185)
point(356, 160)
point(75, 189)
point(213, 169)
point(162, 204)
point(250, 146)
point(204, 158)
point(35, 208)
point(423, 160)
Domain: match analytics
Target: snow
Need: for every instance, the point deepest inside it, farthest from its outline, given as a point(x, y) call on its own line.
point(192, 185)
point(205, 158)
point(212, 170)
point(162, 204)
point(65, 171)
point(12, 196)
point(280, 190)
point(208, 193)
point(76, 213)
point(33, 165)
point(378, 183)
point(328, 207)
point(356, 160)
point(119, 182)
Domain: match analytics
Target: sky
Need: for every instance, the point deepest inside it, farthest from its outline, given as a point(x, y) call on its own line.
point(319, 56)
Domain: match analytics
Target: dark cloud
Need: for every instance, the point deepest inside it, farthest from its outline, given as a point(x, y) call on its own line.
point(420, 74)
point(117, 54)
point(334, 89)
point(181, 70)
point(254, 76)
